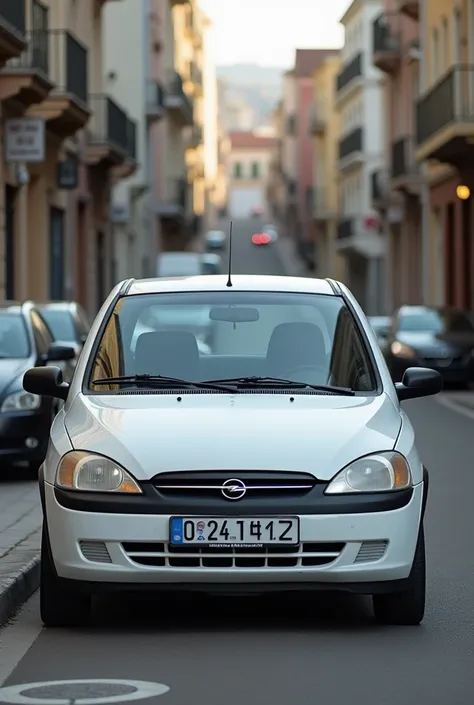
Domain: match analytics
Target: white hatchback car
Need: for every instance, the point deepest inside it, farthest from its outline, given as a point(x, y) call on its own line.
point(280, 461)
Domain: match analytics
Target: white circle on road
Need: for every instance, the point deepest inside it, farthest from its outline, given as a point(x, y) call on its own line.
point(18, 694)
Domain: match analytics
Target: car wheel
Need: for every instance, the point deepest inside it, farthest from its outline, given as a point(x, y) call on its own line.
point(59, 607)
point(405, 608)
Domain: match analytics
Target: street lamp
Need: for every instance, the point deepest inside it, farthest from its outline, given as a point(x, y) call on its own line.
point(463, 192)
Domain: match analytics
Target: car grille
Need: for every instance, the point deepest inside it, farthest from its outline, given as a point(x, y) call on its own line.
point(258, 484)
point(164, 555)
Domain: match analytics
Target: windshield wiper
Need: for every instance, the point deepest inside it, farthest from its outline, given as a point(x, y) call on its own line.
point(161, 381)
point(280, 382)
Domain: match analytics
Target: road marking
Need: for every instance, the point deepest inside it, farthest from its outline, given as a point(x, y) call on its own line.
point(454, 406)
point(81, 692)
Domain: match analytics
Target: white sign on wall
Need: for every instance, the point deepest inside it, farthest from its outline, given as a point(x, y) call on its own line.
point(25, 140)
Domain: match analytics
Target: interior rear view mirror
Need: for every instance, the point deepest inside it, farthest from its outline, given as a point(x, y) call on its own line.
point(234, 314)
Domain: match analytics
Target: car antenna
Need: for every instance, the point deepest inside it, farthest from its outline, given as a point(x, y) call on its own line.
point(229, 279)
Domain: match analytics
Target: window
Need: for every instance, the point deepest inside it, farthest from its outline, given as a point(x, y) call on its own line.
point(445, 58)
point(237, 170)
point(14, 343)
point(457, 37)
point(255, 170)
point(60, 324)
point(303, 337)
point(43, 337)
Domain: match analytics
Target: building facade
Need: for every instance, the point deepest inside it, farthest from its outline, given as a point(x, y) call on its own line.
point(249, 164)
point(65, 143)
point(360, 104)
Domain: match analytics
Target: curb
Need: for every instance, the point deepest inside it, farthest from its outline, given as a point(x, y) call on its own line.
point(17, 588)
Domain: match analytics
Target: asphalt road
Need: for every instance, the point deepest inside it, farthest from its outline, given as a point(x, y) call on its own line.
point(285, 652)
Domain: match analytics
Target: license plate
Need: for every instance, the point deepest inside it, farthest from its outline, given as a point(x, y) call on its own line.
point(244, 532)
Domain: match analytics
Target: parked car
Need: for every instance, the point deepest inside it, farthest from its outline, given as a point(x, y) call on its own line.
point(215, 240)
point(178, 264)
point(440, 338)
point(68, 323)
point(381, 327)
point(261, 239)
point(272, 231)
point(25, 418)
point(281, 459)
point(211, 263)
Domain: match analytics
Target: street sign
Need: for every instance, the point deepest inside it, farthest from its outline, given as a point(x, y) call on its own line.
point(25, 140)
point(68, 176)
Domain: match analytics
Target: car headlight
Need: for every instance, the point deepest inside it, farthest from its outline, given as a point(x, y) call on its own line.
point(89, 472)
point(400, 350)
point(21, 401)
point(380, 472)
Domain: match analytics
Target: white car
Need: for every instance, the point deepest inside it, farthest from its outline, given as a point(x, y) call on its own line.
point(281, 460)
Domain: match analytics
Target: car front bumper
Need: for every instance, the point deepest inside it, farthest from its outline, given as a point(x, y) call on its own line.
point(130, 551)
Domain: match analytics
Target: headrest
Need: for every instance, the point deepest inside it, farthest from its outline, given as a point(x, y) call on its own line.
point(167, 353)
point(294, 344)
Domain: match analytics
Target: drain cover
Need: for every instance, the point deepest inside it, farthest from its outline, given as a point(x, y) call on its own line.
point(80, 692)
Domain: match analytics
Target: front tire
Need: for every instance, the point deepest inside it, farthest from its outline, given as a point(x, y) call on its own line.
point(405, 608)
point(59, 606)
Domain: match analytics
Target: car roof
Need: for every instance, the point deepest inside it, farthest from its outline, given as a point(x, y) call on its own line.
point(240, 282)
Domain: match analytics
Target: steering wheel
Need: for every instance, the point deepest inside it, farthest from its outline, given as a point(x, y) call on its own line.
point(305, 368)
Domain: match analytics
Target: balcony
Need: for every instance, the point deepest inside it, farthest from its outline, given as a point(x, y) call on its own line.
point(129, 166)
point(26, 79)
point(65, 109)
point(360, 235)
point(177, 102)
point(405, 170)
point(173, 205)
point(351, 147)
point(349, 74)
point(323, 208)
point(317, 119)
point(410, 8)
point(109, 133)
point(12, 29)
point(445, 118)
point(379, 187)
point(386, 43)
point(155, 101)
point(196, 137)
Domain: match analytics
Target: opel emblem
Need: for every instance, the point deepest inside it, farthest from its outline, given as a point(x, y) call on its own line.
point(233, 489)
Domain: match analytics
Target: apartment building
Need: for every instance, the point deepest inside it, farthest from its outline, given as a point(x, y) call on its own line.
point(324, 127)
point(444, 140)
point(249, 163)
point(65, 143)
point(360, 105)
point(397, 192)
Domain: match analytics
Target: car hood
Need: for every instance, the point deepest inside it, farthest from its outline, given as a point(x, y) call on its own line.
point(10, 371)
point(437, 343)
point(149, 434)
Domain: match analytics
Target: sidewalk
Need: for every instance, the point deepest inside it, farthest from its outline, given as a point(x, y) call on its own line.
point(20, 531)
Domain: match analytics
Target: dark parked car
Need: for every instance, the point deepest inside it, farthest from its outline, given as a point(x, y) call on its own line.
point(25, 419)
point(67, 320)
point(438, 337)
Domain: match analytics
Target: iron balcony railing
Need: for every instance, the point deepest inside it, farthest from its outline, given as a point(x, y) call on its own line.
point(403, 160)
point(14, 12)
point(385, 37)
point(449, 101)
point(350, 72)
point(353, 142)
point(155, 97)
point(68, 64)
point(175, 88)
point(132, 139)
point(35, 57)
point(109, 123)
point(345, 228)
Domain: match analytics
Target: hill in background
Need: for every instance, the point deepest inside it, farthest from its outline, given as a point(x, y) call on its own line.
point(258, 87)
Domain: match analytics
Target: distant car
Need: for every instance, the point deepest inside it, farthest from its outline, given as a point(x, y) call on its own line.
point(381, 327)
point(215, 240)
point(68, 323)
point(440, 338)
point(25, 418)
point(257, 211)
point(272, 231)
point(211, 263)
point(178, 264)
point(261, 239)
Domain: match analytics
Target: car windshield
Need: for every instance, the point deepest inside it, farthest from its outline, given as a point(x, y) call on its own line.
point(60, 323)
point(433, 321)
point(14, 343)
point(306, 338)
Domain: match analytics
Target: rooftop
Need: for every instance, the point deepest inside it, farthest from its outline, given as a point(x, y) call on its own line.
point(250, 140)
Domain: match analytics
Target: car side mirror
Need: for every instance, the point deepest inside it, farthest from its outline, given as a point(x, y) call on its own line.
point(46, 382)
point(60, 353)
point(419, 382)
